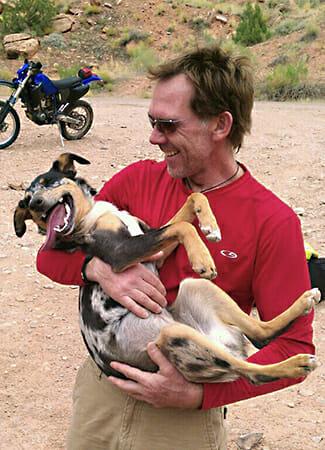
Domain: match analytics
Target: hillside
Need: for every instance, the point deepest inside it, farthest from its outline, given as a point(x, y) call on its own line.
point(122, 37)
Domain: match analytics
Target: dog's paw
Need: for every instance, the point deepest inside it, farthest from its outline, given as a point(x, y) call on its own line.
point(206, 269)
point(212, 234)
point(311, 298)
point(306, 364)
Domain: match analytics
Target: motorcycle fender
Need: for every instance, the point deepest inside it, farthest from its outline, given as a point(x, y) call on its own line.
point(90, 79)
point(9, 84)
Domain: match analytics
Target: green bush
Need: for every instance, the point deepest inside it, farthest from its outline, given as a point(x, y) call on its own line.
point(288, 26)
point(198, 24)
point(31, 16)
point(132, 35)
point(286, 81)
point(55, 40)
point(67, 72)
point(252, 28)
point(142, 56)
point(312, 32)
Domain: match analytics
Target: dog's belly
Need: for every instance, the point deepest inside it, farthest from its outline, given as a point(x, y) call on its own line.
point(112, 333)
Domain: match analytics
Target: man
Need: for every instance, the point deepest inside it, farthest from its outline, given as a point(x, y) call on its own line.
point(200, 110)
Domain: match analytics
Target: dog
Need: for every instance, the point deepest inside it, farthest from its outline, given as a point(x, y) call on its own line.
point(204, 334)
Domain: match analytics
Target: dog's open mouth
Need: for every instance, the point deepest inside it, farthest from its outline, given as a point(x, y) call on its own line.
point(59, 220)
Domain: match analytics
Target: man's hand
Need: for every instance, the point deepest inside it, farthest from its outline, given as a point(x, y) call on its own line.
point(136, 288)
point(166, 388)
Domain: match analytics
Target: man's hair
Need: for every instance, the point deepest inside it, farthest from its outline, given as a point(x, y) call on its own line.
point(221, 83)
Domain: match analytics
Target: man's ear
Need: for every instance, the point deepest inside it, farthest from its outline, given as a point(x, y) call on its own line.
point(221, 126)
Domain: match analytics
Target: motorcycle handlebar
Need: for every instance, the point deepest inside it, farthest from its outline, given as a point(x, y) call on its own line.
point(33, 65)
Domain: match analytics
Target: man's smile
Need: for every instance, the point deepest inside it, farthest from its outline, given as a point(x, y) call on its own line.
point(173, 153)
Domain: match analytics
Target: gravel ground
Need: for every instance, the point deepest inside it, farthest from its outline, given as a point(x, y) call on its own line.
point(41, 344)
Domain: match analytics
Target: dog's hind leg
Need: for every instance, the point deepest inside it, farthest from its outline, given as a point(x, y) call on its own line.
point(201, 360)
point(229, 312)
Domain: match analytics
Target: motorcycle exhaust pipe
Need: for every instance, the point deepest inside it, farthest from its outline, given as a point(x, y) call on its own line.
point(67, 119)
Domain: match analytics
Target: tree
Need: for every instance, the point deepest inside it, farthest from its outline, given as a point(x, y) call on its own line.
point(252, 28)
point(31, 16)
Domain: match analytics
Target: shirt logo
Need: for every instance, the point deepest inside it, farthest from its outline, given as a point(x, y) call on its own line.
point(229, 254)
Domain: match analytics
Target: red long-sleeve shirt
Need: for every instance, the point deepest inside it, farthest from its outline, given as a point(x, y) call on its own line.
point(260, 259)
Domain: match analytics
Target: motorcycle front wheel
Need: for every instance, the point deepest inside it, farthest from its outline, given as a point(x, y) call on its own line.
point(9, 128)
point(83, 113)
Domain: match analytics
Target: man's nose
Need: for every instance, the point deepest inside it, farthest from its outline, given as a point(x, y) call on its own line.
point(157, 137)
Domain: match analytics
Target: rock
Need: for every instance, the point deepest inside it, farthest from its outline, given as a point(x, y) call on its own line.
point(20, 44)
point(17, 187)
point(290, 405)
point(62, 23)
point(108, 5)
point(91, 22)
point(75, 11)
point(306, 392)
point(249, 441)
point(299, 211)
point(221, 18)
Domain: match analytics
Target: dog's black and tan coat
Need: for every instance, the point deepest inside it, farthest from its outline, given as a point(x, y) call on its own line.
point(204, 334)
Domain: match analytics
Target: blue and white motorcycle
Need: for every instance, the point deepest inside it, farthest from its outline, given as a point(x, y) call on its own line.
point(47, 102)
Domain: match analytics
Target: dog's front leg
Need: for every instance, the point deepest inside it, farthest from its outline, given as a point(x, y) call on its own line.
point(122, 251)
point(197, 206)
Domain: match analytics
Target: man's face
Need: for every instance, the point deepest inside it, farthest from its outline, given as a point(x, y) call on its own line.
point(188, 148)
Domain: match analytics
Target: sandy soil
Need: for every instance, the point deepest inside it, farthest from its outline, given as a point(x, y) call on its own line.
point(41, 347)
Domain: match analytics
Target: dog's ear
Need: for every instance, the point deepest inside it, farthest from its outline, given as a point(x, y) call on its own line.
point(87, 189)
point(65, 164)
point(20, 216)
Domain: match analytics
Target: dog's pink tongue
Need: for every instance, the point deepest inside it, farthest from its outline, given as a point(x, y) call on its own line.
point(56, 219)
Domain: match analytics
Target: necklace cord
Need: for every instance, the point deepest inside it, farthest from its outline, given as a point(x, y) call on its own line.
point(215, 186)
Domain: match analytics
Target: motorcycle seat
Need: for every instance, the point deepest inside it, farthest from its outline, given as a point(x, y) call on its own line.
point(66, 83)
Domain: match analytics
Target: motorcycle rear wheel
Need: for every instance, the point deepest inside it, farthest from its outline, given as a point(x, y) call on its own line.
point(9, 128)
point(82, 111)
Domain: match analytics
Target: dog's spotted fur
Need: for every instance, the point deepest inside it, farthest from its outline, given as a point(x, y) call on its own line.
point(204, 333)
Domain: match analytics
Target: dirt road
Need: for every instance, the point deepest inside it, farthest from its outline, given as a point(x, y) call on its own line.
point(41, 347)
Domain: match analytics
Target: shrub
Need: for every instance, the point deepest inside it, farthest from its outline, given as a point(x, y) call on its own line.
point(31, 16)
point(252, 28)
point(288, 26)
point(90, 10)
point(55, 40)
point(312, 32)
point(142, 56)
point(283, 6)
point(198, 24)
point(132, 35)
point(301, 91)
point(286, 81)
point(67, 72)
point(308, 3)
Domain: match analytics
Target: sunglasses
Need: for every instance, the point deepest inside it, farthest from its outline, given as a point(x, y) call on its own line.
point(165, 126)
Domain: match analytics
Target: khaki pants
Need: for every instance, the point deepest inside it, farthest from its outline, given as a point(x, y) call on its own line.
point(106, 418)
